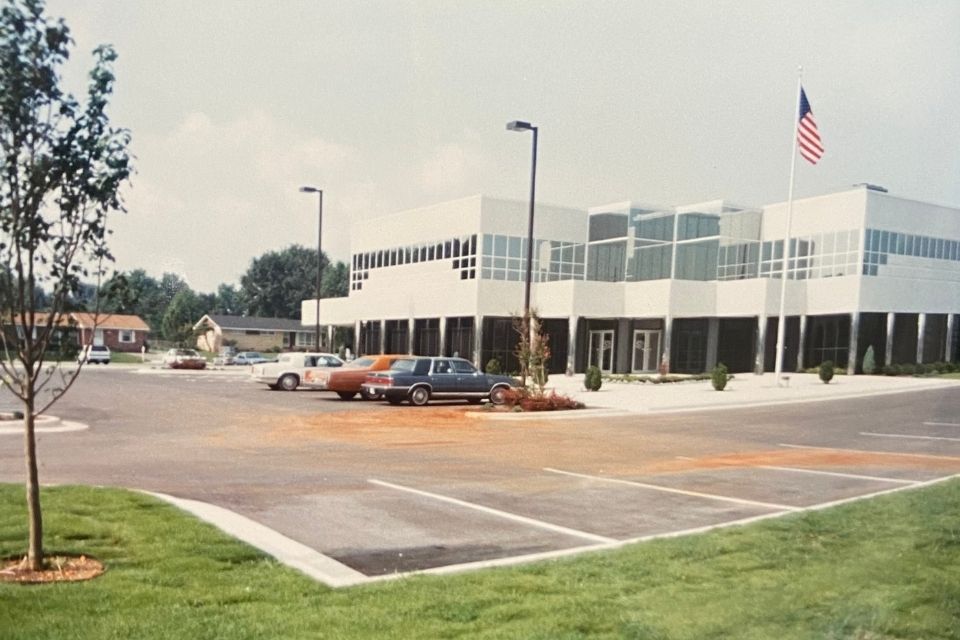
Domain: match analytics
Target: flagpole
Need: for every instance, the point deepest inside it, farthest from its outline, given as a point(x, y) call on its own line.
point(781, 328)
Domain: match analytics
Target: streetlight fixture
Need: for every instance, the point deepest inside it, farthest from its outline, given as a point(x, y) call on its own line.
point(319, 193)
point(519, 125)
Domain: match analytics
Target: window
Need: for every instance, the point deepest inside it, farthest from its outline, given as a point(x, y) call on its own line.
point(127, 336)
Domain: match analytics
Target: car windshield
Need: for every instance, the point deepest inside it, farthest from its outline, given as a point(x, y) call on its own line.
point(186, 352)
point(361, 363)
point(403, 365)
point(98, 348)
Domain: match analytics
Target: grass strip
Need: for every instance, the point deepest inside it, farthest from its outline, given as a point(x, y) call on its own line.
point(878, 569)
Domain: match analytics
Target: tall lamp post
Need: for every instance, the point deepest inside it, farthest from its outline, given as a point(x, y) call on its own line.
point(519, 125)
point(319, 193)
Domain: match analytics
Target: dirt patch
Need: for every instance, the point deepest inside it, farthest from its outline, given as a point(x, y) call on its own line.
point(57, 569)
point(807, 459)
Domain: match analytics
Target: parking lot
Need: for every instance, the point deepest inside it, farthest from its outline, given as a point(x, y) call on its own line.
point(359, 491)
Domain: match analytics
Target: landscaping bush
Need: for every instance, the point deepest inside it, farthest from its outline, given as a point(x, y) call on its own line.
point(920, 369)
point(493, 366)
point(869, 362)
point(907, 369)
point(891, 370)
point(826, 371)
point(719, 376)
point(518, 398)
point(592, 380)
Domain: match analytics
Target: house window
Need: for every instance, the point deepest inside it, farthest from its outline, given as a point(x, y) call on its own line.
point(252, 332)
point(127, 336)
point(305, 339)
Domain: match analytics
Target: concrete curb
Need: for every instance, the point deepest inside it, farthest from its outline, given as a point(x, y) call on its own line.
point(44, 424)
point(565, 414)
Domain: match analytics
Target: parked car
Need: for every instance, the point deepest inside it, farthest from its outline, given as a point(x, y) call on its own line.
point(290, 368)
point(184, 359)
point(95, 354)
point(346, 381)
point(249, 357)
point(225, 356)
point(420, 379)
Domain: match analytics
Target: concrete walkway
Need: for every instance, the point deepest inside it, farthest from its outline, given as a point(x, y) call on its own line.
point(743, 390)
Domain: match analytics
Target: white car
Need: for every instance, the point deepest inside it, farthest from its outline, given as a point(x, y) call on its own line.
point(184, 359)
point(289, 369)
point(96, 354)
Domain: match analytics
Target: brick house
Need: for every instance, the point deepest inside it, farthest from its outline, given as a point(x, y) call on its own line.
point(116, 331)
point(248, 333)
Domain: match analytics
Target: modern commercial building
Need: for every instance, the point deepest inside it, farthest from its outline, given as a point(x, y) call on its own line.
point(631, 287)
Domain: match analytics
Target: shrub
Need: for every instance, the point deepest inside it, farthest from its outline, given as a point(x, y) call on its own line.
point(891, 370)
point(826, 371)
point(493, 366)
point(869, 362)
point(520, 399)
point(719, 376)
point(920, 369)
point(907, 369)
point(592, 380)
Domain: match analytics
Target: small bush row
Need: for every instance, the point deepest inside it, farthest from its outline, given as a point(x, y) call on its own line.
point(532, 400)
point(920, 369)
point(655, 378)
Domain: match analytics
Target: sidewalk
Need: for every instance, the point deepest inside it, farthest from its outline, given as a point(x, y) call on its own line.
point(743, 390)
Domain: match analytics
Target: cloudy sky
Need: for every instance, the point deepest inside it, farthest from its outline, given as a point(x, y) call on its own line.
point(390, 105)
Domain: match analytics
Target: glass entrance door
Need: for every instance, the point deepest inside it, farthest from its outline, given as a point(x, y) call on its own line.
point(646, 350)
point(601, 351)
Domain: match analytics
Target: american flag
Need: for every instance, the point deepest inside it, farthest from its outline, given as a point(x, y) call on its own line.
point(808, 138)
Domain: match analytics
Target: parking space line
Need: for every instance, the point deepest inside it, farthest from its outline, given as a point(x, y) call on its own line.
point(905, 436)
point(878, 453)
point(941, 424)
point(696, 494)
point(840, 475)
point(497, 512)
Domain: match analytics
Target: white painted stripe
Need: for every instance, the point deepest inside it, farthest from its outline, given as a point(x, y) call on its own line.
point(684, 458)
point(497, 512)
point(879, 453)
point(695, 494)
point(907, 437)
point(941, 424)
point(855, 476)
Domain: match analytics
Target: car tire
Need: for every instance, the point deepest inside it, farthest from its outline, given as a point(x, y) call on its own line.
point(370, 395)
point(419, 396)
point(498, 395)
point(288, 382)
point(346, 395)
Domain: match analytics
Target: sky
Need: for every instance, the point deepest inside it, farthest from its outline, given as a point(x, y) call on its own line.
point(391, 105)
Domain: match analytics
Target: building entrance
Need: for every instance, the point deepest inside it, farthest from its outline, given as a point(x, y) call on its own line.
point(646, 350)
point(601, 351)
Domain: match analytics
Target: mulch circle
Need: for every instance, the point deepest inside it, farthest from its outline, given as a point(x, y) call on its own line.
point(58, 568)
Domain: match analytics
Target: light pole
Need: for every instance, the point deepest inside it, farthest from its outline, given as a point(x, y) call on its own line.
point(319, 192)
point(519, 125)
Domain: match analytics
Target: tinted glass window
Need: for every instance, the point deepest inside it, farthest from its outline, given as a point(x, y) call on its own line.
point(462, 366)
point(442, 366)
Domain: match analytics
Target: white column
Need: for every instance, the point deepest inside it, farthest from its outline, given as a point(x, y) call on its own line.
point(356, 338)
point(330, 337)
point(803, 342)
point(667, 344)
point(854, 342)
point(478, 343)
point(411, 324)
point(921, 334)
point(713, 340)
point(443, 337)
point(888, 349)
point(951, 318)
point(761, 345)
point(383, 336)
point(572, 344)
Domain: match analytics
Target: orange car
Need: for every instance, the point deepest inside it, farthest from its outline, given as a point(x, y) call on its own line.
point(346, 380)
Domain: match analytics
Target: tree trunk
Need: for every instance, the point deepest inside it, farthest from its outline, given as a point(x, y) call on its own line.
point(35, 551)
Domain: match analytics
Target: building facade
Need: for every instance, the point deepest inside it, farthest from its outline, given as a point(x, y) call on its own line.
point(630, 287)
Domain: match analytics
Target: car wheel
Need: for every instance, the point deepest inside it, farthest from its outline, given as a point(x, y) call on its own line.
point(498, 395)
point(346, 395)
point(419, 396)
point(289, 382)
point(370, 395)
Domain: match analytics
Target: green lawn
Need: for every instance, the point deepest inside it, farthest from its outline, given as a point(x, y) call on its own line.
point(880, 569)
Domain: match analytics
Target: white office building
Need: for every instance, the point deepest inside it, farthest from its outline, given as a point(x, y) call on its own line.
point(628, 286)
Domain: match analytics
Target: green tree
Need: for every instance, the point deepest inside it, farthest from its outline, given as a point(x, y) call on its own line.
point(278, 281)
point(63, 167)
point(178, 320)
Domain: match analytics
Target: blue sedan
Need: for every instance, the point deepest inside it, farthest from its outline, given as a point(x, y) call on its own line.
point(420, 379)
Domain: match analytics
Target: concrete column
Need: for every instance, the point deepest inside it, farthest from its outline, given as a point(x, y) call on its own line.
point(356, 338)
point(758, 357)
point(713, 340)
point(330, 328)
point(921, 334)
point(801, 347)
point(411, 325)
point(951, 318)
point(478, 342)
point(443, 337)
point(383, 336)
point(572, 344)
point(888, 349)
point(667, 344)
point(854, 343)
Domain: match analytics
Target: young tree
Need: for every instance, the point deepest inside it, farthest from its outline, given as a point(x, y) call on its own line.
point(63, 166)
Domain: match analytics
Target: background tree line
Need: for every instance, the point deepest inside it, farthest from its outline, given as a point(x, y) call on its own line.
point(273, 286)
